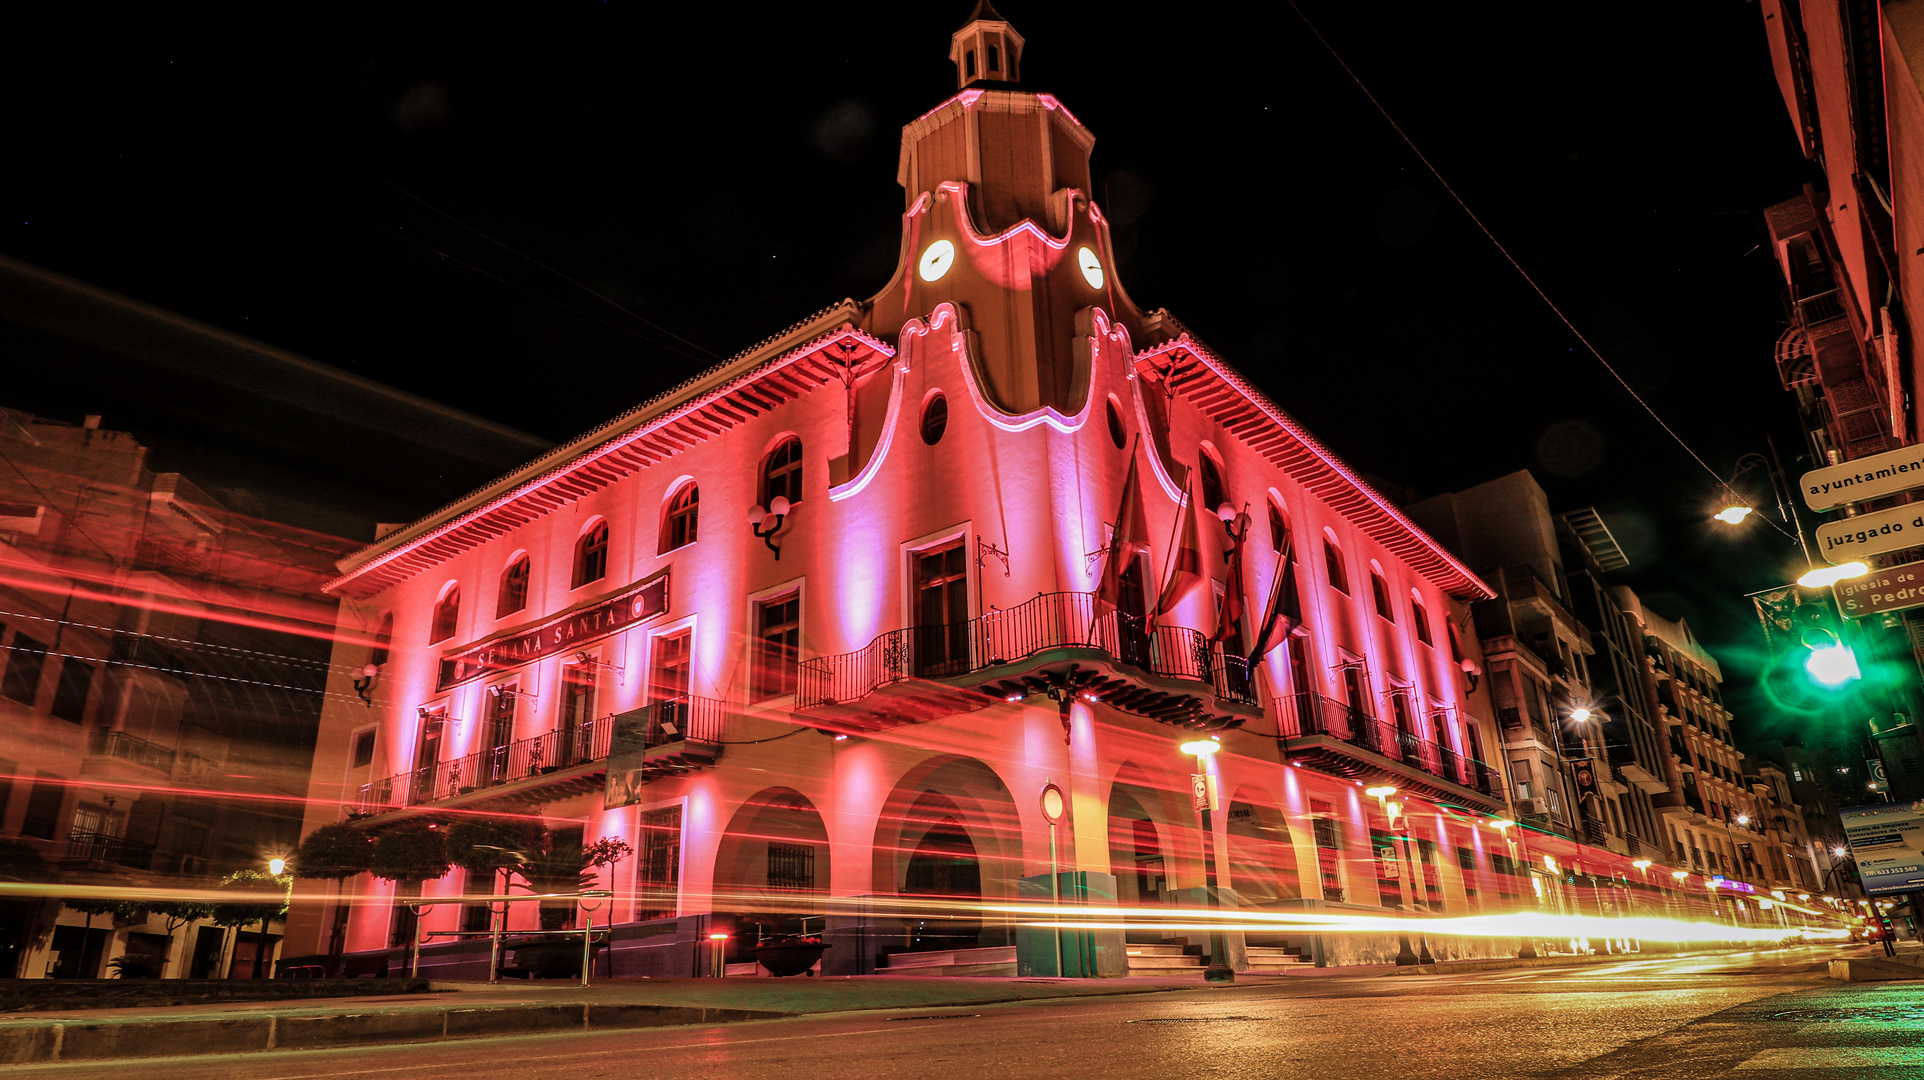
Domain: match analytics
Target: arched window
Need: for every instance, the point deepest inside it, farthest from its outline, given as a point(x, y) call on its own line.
point(447, 611)
point(514, 588)
point(1420, 619)
point(935, 418)
point(684, 518)
point(1212, 495)
point(1333, 563)
point(591, 555)
point(995, 59)
point(782, 472)
point(1380, 592)
point(1278, 528)
point(383, 641)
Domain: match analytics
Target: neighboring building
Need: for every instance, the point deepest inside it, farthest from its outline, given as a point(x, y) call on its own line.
point(1821, 827)
point(1577, 737)
point(161, 649)
point(1848, 246)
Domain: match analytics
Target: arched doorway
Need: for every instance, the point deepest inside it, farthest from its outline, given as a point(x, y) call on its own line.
point(1138, 853)
point(949, 838)
point(771, 867)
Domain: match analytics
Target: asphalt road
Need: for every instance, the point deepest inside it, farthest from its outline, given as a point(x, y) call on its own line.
point(1772, 1016)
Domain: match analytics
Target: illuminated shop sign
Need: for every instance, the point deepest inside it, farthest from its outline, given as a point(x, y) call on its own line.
point(569, 630)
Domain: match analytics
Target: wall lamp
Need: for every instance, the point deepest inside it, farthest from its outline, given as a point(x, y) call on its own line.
point(364, 686)
point(1235, 523)
point(767, 522)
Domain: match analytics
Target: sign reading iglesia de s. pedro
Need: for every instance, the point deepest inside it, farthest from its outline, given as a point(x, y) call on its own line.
point(1893, 588)
point(571, 629)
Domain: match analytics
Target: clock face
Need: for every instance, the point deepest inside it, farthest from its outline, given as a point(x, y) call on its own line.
point(936, 260)
point(1091, 267)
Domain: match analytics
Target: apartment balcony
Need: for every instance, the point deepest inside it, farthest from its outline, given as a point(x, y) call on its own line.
point(678, 735)
point(106, 853)
point(1329, 736)
point(1063, 645)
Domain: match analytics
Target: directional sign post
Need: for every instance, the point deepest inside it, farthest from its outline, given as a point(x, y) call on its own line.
point(1863, 479)
point(1892, 589)
point(1857, 538)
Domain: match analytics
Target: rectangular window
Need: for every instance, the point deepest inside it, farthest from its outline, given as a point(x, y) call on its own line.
point(778, 645)
point(43, 806)
point(791, 867)
point(941, 612)
point(24, 663)
point(71, 693)
point(658, 870)
point(669, 677)
point(363, 750)
point(575, 730)
point(1329, 849)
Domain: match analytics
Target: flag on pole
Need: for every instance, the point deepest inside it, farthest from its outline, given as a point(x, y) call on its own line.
point(1284, 612)
point(1229, 613)
point(1130, 536)
point(1185, 563)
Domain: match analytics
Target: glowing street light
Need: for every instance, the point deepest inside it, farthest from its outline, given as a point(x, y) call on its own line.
point(1203, 789)
point(1380, 792)
point(1825, 576)
point(1680, 874)
point(1580, 714)
point(1734, 514)
point(277, 866)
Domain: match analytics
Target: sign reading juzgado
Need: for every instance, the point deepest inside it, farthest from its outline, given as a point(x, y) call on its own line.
point(1851, 539)
point(1865, 478)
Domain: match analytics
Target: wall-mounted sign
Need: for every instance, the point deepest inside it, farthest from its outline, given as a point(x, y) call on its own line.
point(1865, 478)
point(1851, 539)
point(1887, 843)
point(569, 630)
point(1892, 589)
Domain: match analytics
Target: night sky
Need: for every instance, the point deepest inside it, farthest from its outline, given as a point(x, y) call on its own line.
point(432, 199)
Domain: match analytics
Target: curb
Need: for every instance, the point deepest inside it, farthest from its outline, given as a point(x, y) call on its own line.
point(102, 1040)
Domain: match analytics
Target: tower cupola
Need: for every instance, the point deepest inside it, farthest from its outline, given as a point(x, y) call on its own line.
point(986, 49)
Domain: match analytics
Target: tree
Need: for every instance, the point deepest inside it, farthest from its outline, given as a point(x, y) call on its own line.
point(179, 913)
point(246, 913)
point(547, 861)
point(410, 853)
point(332, 852)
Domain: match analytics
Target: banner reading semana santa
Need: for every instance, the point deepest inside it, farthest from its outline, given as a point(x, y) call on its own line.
point(1863, 479)
point(1850, 539)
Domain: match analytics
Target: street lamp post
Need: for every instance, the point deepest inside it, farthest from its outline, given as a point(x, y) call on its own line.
point(1204, 791)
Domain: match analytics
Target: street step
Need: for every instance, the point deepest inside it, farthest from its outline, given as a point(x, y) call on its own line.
point(1268, 958)
point(994, 960)
point(1164, 962)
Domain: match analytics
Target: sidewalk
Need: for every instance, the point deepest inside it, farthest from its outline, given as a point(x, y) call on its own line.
point(468, 1010)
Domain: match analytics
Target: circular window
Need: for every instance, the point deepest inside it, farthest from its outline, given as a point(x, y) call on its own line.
point(1091, 267)
point(935, 418)
point(936, 260)
point(1115, 423)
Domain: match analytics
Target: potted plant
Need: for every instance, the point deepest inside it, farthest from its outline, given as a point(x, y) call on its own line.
point(786, 952)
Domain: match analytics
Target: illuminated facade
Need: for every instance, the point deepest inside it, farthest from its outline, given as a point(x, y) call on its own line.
point(814, 630)
point(157, 715)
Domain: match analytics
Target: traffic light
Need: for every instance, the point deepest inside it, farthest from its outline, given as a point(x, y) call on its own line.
point(1811, 662)
point(1828, 661)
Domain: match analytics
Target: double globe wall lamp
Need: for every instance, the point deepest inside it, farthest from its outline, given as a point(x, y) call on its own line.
point(768, 521)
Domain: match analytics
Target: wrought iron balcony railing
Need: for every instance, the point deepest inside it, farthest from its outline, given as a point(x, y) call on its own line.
point(1049, 621)
point(684, 718)
point(125, 747)
point(1314, 714)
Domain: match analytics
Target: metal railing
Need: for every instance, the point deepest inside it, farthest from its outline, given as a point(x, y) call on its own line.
point(1314, 714)
point(678, 719)
point(1049, 621)
point(125, 747)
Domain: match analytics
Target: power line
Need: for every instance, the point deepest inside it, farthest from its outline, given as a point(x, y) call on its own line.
point(1498, 244)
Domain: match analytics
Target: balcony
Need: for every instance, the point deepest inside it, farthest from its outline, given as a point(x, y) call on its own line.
point(673, 736)
point(1330, 736)
point(124, 747)
point(1061, 644)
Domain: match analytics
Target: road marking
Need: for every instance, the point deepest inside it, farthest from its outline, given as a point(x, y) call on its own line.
point(1835, 1057)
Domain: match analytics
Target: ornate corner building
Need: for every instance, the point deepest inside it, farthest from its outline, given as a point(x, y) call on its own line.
point(814, 631)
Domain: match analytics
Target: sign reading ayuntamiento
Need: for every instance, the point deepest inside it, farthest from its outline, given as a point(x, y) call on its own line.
point(1865, 478)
